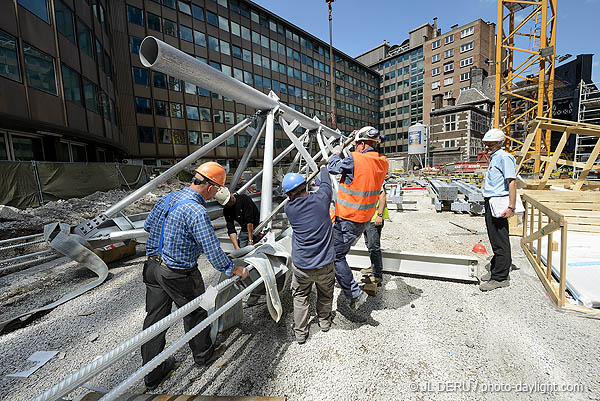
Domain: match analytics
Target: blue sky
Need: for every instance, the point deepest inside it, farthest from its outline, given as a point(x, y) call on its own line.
point(359, 25)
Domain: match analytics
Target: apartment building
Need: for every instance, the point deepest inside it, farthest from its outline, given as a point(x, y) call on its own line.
point(449, 58)
point(73, 76)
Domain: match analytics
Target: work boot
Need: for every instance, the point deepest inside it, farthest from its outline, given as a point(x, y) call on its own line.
point(493, 284)
point(372, 280)
point(167, 367)
point(357, 302)
point(366, 272)
point(325, 325)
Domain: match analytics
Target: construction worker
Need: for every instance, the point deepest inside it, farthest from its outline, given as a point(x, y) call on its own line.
point(312, 250)
point(179, 231)
point(373, 241)
point(241, 209)
point(363, 173)
point(500, 181)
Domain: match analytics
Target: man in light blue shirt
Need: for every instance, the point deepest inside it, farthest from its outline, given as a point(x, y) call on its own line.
point(500, 181)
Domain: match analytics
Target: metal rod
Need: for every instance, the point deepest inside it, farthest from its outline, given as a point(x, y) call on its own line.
point(129, 199)
point(6, 248)
point(182, 341)
point(249, 150)
point(165, 58)
point(288, 129)
point(13, 268)
point(6, 241)
point(266, 198)
point(84, 374)
point(29, 255)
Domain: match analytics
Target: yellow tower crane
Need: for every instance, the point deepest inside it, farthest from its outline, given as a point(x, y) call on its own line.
point(525, 52)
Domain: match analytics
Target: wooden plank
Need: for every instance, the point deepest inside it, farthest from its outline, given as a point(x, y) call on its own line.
point(584, 228)
point(563, 266)
point(584, 220)
point(564, 162)
point(560, 206)
point(542, 231)
point(552, 163)
point(576, 130)
point(538, 205)
point(524, 150)
point(588, 165)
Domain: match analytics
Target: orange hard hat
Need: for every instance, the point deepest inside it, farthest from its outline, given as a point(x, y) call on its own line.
point(213, 171)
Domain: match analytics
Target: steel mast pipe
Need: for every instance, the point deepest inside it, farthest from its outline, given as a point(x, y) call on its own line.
point(160, 56)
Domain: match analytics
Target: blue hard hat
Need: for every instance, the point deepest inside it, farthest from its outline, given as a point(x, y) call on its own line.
point(292, 181)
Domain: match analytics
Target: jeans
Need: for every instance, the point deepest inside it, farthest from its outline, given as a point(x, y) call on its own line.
point(163, 287)
point(497, 229)
point(373, 240)
point(345, 234)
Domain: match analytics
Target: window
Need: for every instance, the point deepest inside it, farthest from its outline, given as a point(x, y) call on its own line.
point(194, 137)
point(466, 47)
point(179, 137)
point(160, 108)
point(169, 3)
point(218, 116)
point(142, 105)
point(190, 88)
point(247, 55)
point(224, 47)
point(37, 7)
point(170, 27)
point(198, 12)
point(449, 39)
point(135, 15)
point(256, 37)
point(449, 67)
point(176, 110)
point(159, 80)
point(199, 38)
point(450, 143)
point(235, 29)
point(229, 117)
point(248, 78)
point(205, 114)
point(212, 18)
point(466, 32)
point(435, 71)
point(435, 57)
point(449, 53)
point(464, 89)
point(27, 148)
point(184, 7)
point(72, 85)
point(84, 38)
point(465, 76)
point(222, 3)
point(99, 55)
point(134, 45)
point(213, 43)
point(89, 92)
point(466, 61)
point(450, 122)
point(154, 22)
point(64, 20)
point(192, 113)
point(245, 33)
point(174, 84)
point(435, 85)
point(435, 45)
point(9, 61)
point(39, 68)
point(236, 52)
point(223, 23)
point(164, 135)
point(206, 138)
point(448, 81)
point(186, 33)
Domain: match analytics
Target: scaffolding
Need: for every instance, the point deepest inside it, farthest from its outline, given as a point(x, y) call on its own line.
point(589, 113)
point(525, 53)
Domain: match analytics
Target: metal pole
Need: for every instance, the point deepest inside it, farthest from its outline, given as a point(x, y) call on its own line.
point(122, 204)
point(331, 64)
point(249, 150)
point(267, 177)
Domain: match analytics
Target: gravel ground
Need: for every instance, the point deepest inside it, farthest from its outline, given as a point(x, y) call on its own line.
point(414, 340)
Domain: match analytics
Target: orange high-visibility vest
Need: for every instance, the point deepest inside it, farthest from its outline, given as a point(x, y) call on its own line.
point(357, 201)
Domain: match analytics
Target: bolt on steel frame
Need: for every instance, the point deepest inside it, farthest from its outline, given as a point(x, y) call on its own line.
point(526, 34)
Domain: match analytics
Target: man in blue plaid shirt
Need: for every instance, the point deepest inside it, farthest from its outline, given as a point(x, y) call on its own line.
point(179, 231)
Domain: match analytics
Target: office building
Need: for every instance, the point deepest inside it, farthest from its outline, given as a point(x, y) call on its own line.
point(76, 89)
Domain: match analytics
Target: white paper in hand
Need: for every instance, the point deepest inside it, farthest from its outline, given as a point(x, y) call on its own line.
point(498, 204)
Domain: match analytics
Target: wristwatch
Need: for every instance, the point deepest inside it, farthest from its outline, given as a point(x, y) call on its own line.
point(380, 214)
point(511, 208)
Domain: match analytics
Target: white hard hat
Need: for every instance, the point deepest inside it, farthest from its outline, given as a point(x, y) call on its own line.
point(494, 135)
point(222, 196)
point(367, 133)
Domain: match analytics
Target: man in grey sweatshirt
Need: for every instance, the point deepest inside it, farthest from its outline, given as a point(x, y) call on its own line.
point(312, 250)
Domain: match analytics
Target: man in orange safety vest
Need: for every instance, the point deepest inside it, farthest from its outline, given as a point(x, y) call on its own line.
point(362, 176)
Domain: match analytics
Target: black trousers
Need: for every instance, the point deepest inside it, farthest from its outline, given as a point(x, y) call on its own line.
point(497, 229)
point(163, 287)
point(373, 240)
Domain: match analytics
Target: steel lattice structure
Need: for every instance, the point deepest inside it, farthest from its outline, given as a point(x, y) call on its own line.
point(525, 53)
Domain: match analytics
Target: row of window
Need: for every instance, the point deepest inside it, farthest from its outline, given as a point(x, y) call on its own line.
point(449, 67)
point(413, 55)
point(450, 38)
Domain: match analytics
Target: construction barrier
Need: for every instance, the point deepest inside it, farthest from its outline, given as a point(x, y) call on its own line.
point(31, 184)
